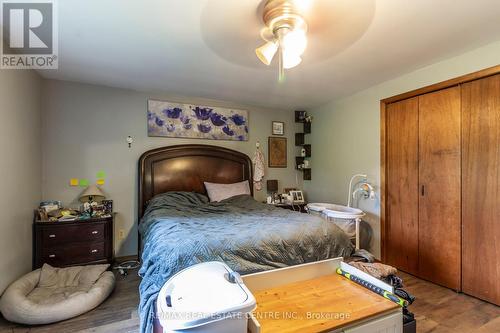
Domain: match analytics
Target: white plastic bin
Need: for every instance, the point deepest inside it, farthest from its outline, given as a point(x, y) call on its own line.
point(207, 297)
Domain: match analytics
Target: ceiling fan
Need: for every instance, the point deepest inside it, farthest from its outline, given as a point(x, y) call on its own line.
point(285, 34)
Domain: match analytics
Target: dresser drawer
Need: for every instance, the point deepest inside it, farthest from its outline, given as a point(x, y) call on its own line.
point(56, 235)
point(72, 254)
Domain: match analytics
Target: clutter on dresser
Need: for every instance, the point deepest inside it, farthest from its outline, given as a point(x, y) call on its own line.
point(48, 206)
point(54, 211)
point(92, 202)
point(93, 206)
point(291, 198)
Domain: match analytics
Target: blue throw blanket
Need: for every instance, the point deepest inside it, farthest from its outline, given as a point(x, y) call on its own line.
point(180, 229)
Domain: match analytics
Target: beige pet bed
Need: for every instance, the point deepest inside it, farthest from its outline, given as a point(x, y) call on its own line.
point(49, 294)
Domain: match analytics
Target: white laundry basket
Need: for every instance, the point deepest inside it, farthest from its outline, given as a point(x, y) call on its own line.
point(208, 298)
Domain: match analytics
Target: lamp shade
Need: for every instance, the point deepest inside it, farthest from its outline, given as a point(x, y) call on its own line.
point(266, 52)
point(272, 185)
point(92, 192)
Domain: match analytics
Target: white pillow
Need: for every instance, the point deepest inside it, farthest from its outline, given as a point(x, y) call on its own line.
point(218, 192)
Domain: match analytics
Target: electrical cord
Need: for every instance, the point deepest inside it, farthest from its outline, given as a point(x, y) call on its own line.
point(125, 266)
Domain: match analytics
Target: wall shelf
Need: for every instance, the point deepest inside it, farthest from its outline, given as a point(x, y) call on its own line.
point(299, 160)
point(300, 142)
point(307, 127)
point(299, 139)
point(308, 150)
point(307, 173)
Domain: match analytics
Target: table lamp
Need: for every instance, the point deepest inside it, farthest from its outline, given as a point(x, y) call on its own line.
point(92, 193)
point(89, 196)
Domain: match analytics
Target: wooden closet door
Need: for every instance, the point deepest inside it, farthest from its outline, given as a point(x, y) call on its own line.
point(401, 233)
point(481, 189)
point(439, 229)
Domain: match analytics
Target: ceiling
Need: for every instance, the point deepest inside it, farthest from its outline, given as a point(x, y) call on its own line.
point(205, 48)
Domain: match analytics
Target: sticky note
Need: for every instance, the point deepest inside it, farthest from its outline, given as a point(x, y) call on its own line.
point(84, 182)
point(100, 182)
point(74, 182)
point(101, 175)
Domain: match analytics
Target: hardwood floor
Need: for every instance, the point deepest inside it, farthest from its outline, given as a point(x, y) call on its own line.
point(438, 310)
point(441, 310)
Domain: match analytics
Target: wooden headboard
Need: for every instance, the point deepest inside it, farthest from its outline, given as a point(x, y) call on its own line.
point(186, 167)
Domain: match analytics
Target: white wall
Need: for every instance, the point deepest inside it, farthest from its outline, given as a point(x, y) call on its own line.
point(84, 131)
point(346, 133)
point(20, 167)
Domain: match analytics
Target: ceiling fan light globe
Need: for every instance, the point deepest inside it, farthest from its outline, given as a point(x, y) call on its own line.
point(291, 60)
point(266, 52)
point(295, 41)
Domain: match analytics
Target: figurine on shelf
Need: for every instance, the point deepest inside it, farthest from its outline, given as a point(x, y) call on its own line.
point(303, 152)
point(308, 119)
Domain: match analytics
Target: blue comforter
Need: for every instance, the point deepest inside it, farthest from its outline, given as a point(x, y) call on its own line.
point(180, 229)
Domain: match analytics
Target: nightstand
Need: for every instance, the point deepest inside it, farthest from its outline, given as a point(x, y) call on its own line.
point(296, 207)
point(70, 243)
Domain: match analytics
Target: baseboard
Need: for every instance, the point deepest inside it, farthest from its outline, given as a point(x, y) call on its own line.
point(125, 258)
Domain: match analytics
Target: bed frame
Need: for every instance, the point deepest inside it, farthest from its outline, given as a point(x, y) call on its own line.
point(185, 168)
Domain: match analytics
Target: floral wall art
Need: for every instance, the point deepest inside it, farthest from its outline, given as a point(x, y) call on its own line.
point(193, 121)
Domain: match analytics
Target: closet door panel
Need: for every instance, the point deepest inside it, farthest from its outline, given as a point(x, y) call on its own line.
point(481, 188)
point(440, 187)
point(401, 239)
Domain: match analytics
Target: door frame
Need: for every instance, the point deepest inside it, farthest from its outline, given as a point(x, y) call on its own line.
point(383, 141)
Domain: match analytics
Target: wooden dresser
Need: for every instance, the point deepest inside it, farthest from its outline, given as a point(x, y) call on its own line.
point(73, 242)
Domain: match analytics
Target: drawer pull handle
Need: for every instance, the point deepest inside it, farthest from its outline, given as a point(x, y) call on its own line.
point(52, 255)
point(94, 251)
point(95, 232)
point(52, 236)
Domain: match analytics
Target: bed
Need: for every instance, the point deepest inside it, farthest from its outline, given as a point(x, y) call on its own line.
point(179, 227)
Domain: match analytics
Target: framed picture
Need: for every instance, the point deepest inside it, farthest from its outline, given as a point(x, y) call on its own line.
point(277, 152)
point(297, 196)
point(278, 128)
point(177, 120)
point(108, 206)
